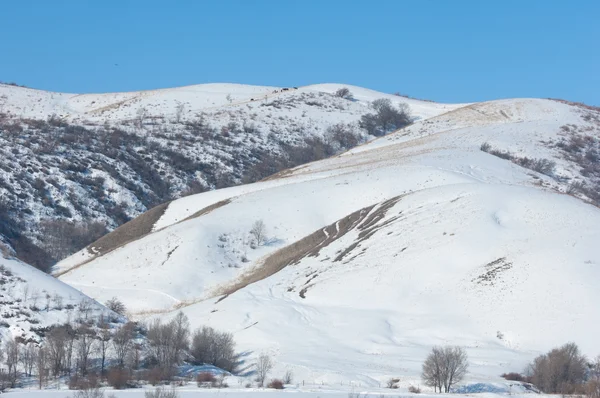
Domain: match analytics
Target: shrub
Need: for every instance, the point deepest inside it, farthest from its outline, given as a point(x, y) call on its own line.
point(93, 392)
point(387, 118)
point(118, 378)
point(77, 382)
point(391, 383)
point(276, 384)
point(210, 346)
point(344, 93)
point(161, 392)
point(205, 379)
point(592, 388)
point(414, 390)
point(116, 305)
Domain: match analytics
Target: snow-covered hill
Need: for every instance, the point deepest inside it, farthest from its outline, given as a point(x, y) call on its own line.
point(31, 301)
point(474, 227)
point(98, 160)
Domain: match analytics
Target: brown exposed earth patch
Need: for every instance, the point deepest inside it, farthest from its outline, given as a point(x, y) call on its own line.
point(207, 209)
point(365, 219)
point(136, 229)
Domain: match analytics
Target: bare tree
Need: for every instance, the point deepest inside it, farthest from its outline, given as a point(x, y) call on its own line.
point(28, 358)
point(122, 342)
point(167, 342)
point(210, 346)
point(141, 115)
point(41, 366)
point(12, 348)
point(179, 109)
point(562, 370)
point(444, 367)
point(116, 305)
point(86, 339)
point(258, 232)
point(56, 348)
point(263, 366)
point(344, 93)
point(386, 117)
point(104, 336)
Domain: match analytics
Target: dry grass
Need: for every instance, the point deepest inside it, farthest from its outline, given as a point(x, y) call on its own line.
point(126, 233)
point(207, 209)
point(310, 245)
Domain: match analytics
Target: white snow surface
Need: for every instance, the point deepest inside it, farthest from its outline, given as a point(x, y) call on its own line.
point(32, 299)
point(113, 107)
point(473, 251)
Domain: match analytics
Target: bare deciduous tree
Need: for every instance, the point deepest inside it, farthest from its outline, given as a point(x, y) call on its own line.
point(167, 342)
point(116, 305)
point(12, 348)
point(41, 366)
point(562, 370)
point(28, 358)
point(179, 109)
point(263, 367)
point(104, 336)
point(210, 346)
point(122, 342)
point(55, 349)
point(344, 93)
point(444, 367)
point(141, 115)
point(258, 232)
point(86, 339)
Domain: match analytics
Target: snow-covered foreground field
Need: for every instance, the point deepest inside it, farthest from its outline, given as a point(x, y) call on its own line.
point(354, 391)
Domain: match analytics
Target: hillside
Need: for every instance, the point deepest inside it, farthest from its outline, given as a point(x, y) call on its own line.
point(31, 301)
point(476, 227)
point(74, 166)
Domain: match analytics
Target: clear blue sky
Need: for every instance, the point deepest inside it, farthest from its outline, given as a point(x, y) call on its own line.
point(442, 50)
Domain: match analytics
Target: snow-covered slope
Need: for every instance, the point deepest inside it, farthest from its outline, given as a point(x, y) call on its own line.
point(371, 257)
point(106, 158)
point(31, 300)
point(189, 100)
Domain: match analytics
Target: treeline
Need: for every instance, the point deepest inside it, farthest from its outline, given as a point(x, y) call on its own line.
point(91, 350)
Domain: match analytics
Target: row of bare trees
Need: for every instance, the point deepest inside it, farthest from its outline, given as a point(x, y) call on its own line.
point(116, 350)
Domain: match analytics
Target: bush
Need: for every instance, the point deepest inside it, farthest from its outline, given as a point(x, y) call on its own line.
point(118, 378)
point(276, 384)
point(414, 390)
point(344, 93)
point(205, 379)
point(116, 305)
point(391, 383)
point(77, 382)
point(210, 346)
point(161, 392)
point(387, 118)
point(94, 392)
point(592, 388)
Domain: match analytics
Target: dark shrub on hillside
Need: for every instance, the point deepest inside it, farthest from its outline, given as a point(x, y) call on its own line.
point(386, 117)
